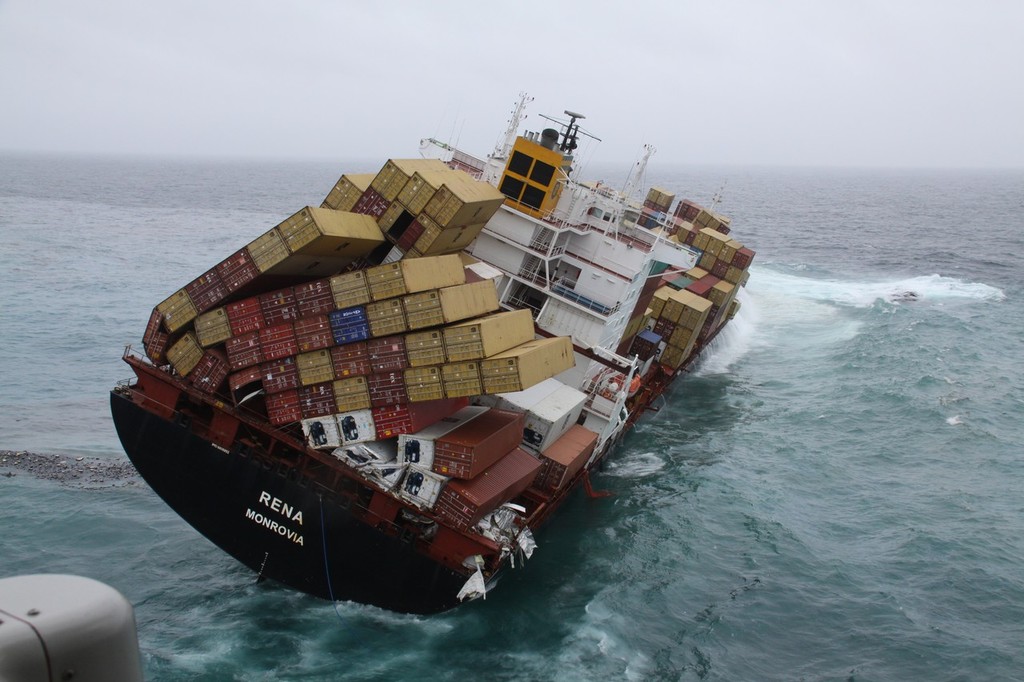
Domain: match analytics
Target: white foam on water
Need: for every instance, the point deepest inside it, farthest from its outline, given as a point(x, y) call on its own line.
point(955, 420)
point(635, 466)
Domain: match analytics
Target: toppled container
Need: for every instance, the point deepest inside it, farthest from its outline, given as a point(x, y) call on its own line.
point(526, 364)
point(464, 503)
point(487, 336)
point(564, 458)
point(418, 448)
point(474, 446)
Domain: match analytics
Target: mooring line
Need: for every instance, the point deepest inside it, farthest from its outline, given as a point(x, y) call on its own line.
point(327, 568)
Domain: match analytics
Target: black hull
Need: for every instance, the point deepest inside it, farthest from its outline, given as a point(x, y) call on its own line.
point(277, 523)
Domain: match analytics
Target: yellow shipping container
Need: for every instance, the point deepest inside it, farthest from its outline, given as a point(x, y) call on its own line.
point(425, 348)
point(347, 191)
point(469, 300)
point(721, 293)
point(212, 327)
point(461, 379)
point(708, 260)
point(423, 309)
point(390, 180)
point(177, 310)
point(268, 250)
point(658, 301)
point(185, 354)
point(453, 239)
point(350, 289)
point(412, 275)
point(681, 337)
point(696, 273)
point(733, 275)
point(325, 232)
point(420, 188)
point(487, 336)
point(351, 394)
point(424, 383)
point(468, 202)
point(314, 367)
point(386, 317)
point(390, 216)
point(525, 365)
point(694, 309)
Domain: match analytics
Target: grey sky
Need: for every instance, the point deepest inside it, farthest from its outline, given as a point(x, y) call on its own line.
point(842, 82)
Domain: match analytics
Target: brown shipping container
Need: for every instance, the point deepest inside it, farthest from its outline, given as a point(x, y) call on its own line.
point(424, 383)
point(386, 317)
point(313, 333)
point(249, 376)
point(488, 336)
point(410, 236)
point(268, 250)
point(425, 348)
point(244, 351)
point(237, 270)
point(210, 372)
point(155, 340)
point(476, 445)
point(283, 408)
point(567, 455)
point(314, 367)
point(346, 192)
point(349, 289)
point(462, 379)
point(387, 354)
point(743, 258)
point(352, 359)
point(464, 503)
point(177, 310)
point(314, 298)
point(245, 316)
point(278, 341)
point(316, 401)
point(351, 394)
point(212, 327)
point(387, 389)
point(206, 291)
point(279, 306)
point(185, 354)
point(371, 204)
point(280, 375)
point(525, 365)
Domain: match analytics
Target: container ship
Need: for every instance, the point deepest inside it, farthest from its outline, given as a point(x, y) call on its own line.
point(382, 398)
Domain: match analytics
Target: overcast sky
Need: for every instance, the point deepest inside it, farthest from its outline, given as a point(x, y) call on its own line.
point(818, 82)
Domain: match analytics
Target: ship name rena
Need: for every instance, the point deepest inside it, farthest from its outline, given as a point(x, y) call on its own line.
point(280, 507)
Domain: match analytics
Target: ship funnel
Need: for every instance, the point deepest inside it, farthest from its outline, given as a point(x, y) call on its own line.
point(549, 138)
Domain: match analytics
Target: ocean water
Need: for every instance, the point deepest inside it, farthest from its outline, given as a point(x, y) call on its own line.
point(834, 493)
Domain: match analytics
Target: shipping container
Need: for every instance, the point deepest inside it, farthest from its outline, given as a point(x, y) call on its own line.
point(464, 503)
point(393, 176)
point(245, 316)
point(386, 317)
point(645, 345)
point(464, 203)
point(283, 408)
point(185, 354)
point(326, 232)
point(278, 341)
point(425, 348)
point(245, 382)
point(423, 383)
point(418, 447)
point(210, 372)
point(206, 291)
point(421, 486)
point(352, 393)
point(177, 310)
point(350, 360)
point(356, 426)
point(393, 420)
point(526, 364)
point(450, 239)
point(387, 354)
point(546, 421)
point(462, 379)
point(371, 203)
point(279, 306)
point(314, 367)
point(322, 432)
point(237, 270)
point(703, 285)
point(564, 458)
point(743, 258)
point(314, 298)
point(155, 340)
point(477, 444)
point(268, 250)
point(280, 375)
point(316, 400)
point(313, 333)
point(244, 351)
point(387, 388)
point(347, 191)
point(349, 289)
point(694, 309)
point(420, 187)
point(521, 401)
point(413, 275)
point(349, 325)
point(410, 236)
point(212, 327)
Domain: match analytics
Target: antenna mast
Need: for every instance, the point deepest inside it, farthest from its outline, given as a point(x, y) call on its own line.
point(504, 145)
point(636, 176)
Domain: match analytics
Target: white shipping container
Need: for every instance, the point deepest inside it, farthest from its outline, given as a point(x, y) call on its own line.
point(521, 401)
point(421, 487)
point(356, 426)
point(377, 461)
point(322, 432)
point(418, 448)
point(549, 419)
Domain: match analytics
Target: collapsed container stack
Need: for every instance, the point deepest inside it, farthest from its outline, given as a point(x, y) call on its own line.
point(357, 323)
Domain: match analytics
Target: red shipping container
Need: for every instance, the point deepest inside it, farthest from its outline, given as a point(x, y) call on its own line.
point(279, 306)
point(690, 237)
point(155, 340)
point(211, 371)
point(283, 408)
point(743, 258)
point(565, 458)
point(244, 351)
point(313, 333)
point(411, 234)
point(317, 400)
point(387, 354)
point(206, 291)
point(664, 327)
point(245, 316)
point(463, 503)
point(278, 341)
point(387, 389)
point(394, 420)
point(720, 269)
point(350, 360)
point(237, 270)
point(476, 445)
point(702, 286)
point(249, 375)
point(280, 375)
point(314, 298)
point(371, 203)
